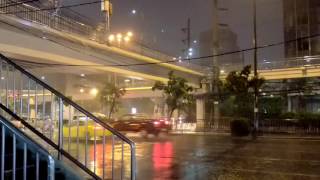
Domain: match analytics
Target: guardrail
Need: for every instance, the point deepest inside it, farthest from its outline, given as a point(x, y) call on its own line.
point(78, 135)
point(45, 17)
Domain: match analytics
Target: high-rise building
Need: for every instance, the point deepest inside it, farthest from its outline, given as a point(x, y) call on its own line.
point(227, 42)
point(301, 19)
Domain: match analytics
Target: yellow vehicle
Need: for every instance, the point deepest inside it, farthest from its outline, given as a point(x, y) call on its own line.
point(79, 128)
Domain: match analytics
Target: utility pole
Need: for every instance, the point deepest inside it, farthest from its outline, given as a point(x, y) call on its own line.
point(57, 5)
point(214, 110)
point(106, 7)
point(255, 62)
point(187, 40)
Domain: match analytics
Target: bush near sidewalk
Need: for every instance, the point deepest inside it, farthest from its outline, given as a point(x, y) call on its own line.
point(240, 127)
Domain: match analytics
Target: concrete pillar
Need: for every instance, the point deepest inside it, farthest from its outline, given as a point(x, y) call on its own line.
point(289, 104)
point(200, 110)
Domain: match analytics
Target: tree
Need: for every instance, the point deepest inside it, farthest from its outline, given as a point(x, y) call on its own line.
point(241, 85)
point(177, 93)
point(110, 95)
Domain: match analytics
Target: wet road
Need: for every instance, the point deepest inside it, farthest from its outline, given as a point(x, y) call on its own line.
point(223, 158)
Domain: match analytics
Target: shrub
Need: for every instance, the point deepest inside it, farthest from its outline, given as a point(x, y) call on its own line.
point(309, 119)
point(289, 115)
point(240, 127)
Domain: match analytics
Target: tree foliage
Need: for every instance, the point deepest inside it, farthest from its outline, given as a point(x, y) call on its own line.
point(242, 85)
point(110, 95)
point(177, 93)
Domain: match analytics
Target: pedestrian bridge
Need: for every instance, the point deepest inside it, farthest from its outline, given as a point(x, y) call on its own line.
point(62, 50)
point(47, 39)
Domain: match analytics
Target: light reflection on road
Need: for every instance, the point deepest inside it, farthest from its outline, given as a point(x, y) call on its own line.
point(203, 157)
point(162, 155)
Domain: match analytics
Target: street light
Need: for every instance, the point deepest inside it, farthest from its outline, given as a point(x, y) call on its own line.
point(127, 39)
point(119, 37)
point(94, 91)
point(111, 38)
point(129, 34)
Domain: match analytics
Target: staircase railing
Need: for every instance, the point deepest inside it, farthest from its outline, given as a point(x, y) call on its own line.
point(73, 132)
point(22, 158)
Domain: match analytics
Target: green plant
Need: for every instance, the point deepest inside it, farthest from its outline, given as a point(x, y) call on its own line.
point(308, 119)
point(177, 93)
point(289, 115)
point(110, 95)
point(240, 127)
point(271, 107)
point(241, 86)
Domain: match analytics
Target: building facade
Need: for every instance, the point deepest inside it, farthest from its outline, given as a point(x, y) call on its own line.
point(301, 20)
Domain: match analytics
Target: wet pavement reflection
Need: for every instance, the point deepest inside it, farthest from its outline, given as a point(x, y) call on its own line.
point(211, 157)
point(199, 157)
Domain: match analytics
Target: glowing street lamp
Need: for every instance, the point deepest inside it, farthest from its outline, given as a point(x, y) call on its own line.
point(129, 34)
point(119, 37)
point(94, 91)
point(111, 38)
point(127, 39)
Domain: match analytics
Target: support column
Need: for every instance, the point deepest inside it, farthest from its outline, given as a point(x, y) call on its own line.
point(289, 104)
point(200, 110)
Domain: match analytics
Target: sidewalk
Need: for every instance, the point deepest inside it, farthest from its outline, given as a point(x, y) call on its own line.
point(265, 136)
point(180, 132)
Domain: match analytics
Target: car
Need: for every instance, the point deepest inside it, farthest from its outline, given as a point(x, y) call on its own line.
point(141, 123)
point(78, 129)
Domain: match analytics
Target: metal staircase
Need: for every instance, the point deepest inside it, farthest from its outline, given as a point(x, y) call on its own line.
point(70, 134)
point(22, 158)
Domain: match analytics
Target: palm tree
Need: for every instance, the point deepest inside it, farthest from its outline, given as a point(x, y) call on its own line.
point(110, 95)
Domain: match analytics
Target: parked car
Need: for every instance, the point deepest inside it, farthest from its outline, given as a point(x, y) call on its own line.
point(141, 123)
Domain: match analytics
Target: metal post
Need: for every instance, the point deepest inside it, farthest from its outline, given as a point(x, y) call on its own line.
point(28, 101)
point(112, 158)
point(103, 153)
point(60, 130)
point(214, 112)
point(21, 94)
point(14, 90)
point(1, 79)
point(7, 86)
point(3, 138)
point(133, 161)
point(256, 121)
point(14, 159)
point(25, 161)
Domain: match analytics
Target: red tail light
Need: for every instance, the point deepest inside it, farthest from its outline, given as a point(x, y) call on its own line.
point(156, 122)
point(166, 122)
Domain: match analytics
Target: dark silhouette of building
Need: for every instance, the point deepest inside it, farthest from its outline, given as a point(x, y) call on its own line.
point(227, 42)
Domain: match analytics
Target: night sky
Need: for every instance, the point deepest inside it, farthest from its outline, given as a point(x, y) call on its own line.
point(158, 23)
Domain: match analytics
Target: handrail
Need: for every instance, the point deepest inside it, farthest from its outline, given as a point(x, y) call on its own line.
point(76, 107)
point(27, 139)
point(20, 134)
point(67, 100)
point(47, 140)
